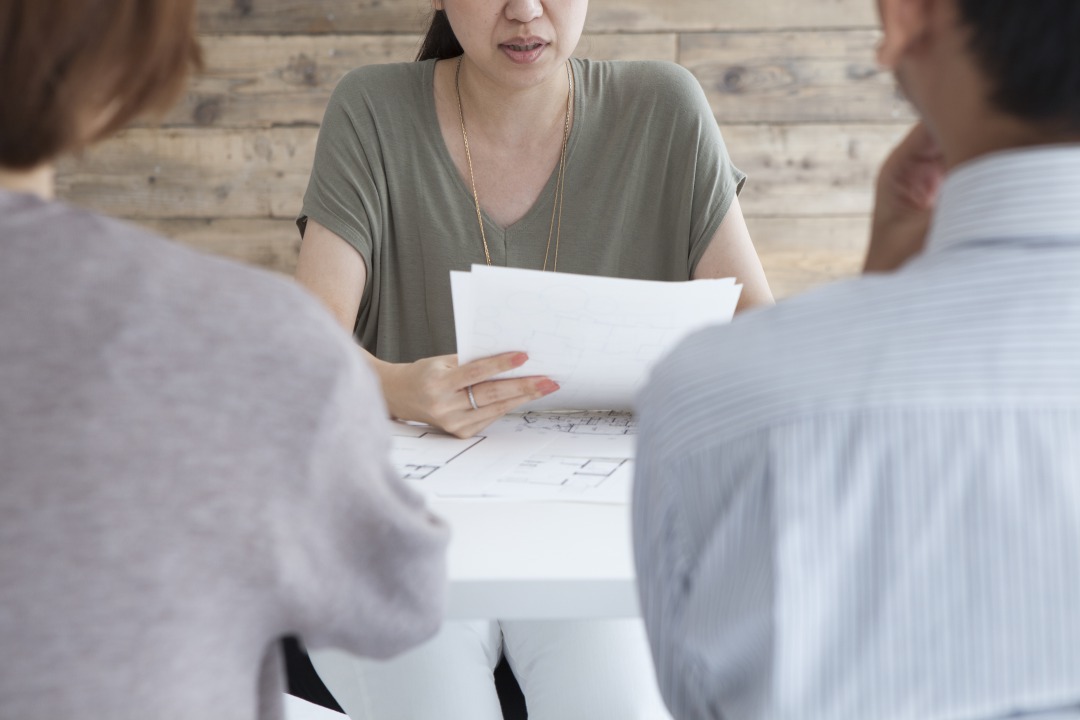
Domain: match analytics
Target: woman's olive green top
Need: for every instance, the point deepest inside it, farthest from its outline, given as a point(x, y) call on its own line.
point(648, 181)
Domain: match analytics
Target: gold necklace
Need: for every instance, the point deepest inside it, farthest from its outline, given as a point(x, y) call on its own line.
point(555, 229)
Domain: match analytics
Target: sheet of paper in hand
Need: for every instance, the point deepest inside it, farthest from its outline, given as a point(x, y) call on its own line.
point(597, 337)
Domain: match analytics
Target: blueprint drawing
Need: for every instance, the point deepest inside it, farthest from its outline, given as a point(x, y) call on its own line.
point(574, 457)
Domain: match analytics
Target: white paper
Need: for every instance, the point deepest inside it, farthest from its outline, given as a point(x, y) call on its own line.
point(297, 709)
point(461, 292)
point(597, 337)
point(575, 457)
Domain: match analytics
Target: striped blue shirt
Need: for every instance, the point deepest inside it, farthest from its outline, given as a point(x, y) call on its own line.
point(865, 502)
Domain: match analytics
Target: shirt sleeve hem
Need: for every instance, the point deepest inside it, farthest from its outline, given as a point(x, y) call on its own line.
point(698, 250)
point(344, 231)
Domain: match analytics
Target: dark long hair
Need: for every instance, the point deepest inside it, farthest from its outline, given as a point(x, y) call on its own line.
point(440, 43)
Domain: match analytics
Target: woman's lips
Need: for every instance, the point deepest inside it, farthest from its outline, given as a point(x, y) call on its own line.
point(524, 51)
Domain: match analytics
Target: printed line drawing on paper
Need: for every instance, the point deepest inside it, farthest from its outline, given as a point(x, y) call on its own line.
point(592, 423)
point(419, 452)
point(572, 473)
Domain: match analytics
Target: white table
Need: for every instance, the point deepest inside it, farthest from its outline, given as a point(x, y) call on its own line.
point(538, 561)
point(514, 560)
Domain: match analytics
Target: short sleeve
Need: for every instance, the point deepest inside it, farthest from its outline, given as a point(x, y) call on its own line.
point(343, 193)
point(717, 182)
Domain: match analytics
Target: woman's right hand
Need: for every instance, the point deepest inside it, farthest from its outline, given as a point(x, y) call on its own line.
point(436, 391)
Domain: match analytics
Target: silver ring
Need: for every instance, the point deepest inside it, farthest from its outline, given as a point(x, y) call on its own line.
point(472, 400)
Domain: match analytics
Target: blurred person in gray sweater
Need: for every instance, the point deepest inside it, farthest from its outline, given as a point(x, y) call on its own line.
point(193, 456)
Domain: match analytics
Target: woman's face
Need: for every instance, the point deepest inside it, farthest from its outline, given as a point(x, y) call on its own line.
point(517, 42)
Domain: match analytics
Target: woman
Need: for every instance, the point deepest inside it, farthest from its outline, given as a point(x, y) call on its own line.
point(498, 147)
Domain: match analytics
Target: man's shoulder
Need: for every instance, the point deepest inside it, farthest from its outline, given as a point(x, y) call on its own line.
point(948, 332)
point(773, 364)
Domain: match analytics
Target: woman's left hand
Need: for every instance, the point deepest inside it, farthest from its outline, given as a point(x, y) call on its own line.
point(460, 399)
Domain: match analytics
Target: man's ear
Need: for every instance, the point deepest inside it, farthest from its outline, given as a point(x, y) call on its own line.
point(904, 23)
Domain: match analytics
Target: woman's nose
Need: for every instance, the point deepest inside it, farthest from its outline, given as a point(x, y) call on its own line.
point(524, 11)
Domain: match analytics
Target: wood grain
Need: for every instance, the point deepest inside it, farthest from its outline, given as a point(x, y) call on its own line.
point(706, 15)
point(810, 170)
point(266, 243)
point(305, 17)
point(798, 253)
point(312, 17)
point(793, 83)
point(259, 82)
point(639, 46)
point(795, 171)
point(207, 174)
point(794, 77)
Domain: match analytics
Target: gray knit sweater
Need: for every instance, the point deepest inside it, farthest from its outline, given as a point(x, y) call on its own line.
point(193, 463)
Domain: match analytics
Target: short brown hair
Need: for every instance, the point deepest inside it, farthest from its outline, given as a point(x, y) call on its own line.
point(70, 65)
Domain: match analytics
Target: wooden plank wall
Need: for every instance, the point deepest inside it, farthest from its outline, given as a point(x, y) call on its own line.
point(792, 82)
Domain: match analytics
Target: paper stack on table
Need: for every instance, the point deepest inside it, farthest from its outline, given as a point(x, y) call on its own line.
point(597, 337)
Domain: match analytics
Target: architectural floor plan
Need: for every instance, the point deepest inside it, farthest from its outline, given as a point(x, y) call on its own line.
point(574, 456)
point(419, 451)
point(582, 423)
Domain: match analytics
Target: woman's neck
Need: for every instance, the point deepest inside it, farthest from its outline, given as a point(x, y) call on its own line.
point(40, 181)
point(512, 116)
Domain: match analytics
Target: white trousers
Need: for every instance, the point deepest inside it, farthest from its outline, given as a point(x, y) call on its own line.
point(587, 670)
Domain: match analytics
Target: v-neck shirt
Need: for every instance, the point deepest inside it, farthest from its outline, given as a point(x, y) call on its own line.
point(648, 182)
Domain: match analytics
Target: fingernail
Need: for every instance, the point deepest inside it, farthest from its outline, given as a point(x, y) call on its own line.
point(519, 359)
point(547, 387)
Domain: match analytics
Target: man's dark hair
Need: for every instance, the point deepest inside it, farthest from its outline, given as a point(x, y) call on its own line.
point(1030, 51)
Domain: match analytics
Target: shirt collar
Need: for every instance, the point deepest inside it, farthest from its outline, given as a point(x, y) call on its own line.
point(1029, 193)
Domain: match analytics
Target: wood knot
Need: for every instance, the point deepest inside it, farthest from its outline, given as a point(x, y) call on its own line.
point(208, 111)
point(244, 8)
point(303, 70)
point(861, 72)
point(735, 79)
point(747, 79)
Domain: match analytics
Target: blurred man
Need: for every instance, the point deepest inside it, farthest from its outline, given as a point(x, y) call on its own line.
point(865, 503)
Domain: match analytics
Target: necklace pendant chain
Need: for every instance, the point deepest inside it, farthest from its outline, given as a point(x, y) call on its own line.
point(555, 229)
